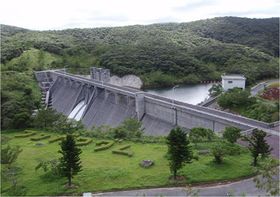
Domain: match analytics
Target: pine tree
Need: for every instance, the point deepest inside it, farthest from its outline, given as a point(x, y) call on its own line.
point(179, 151)
point(258, 145)
point(70, 163)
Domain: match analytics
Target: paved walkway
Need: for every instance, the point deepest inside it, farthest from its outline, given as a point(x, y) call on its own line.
point(259, 87)
point(239, 188)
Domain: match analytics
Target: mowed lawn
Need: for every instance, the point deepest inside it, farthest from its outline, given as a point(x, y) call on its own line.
point(103, 171)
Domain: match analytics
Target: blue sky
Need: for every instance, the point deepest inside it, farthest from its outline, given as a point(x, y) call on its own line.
point(62, 14)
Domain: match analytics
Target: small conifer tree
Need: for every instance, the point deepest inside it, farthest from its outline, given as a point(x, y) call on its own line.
point(179, 151)
point(70, 163)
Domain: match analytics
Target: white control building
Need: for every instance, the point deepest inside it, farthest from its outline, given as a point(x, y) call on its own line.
point(233, 81)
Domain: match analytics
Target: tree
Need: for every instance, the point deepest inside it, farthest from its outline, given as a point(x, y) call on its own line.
point(65, 125)
point(235, 97)
point(45, 118)
point(70, 163)
point(179, 151)
point(232, 134)
point(54, 121)
point(215, 90)
point(258, 145)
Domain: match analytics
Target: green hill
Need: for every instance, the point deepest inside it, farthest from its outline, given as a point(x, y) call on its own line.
point(178, 52)
point(161, 54)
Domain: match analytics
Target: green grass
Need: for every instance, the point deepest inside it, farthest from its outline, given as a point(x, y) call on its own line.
point(103, 171)
point(274, 85)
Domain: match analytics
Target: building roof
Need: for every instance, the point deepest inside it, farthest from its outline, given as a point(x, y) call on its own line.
point(234, 77)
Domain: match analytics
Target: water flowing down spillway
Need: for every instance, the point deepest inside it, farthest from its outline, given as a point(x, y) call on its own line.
point(78, 111)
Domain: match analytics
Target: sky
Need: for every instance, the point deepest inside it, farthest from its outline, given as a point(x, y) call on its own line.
point(63, 14)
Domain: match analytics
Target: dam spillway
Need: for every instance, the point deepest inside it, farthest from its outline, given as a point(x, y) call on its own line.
point(106, 104)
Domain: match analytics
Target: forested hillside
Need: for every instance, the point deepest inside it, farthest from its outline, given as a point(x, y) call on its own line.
point(161, 54)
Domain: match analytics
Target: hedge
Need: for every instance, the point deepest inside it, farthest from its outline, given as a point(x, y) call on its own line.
point(56, 139)
point(82, 139)
point(41, 137)
point(26, 134)
point(124, 147)
point(123, 152)
point(84, 143)
point(107, 146)
point(101, 143)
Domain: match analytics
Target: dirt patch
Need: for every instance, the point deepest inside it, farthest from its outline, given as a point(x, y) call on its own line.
point(271, 94)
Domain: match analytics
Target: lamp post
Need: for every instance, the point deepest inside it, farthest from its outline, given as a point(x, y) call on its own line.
point(173, 94)
point(173, 106)
point(64, 68)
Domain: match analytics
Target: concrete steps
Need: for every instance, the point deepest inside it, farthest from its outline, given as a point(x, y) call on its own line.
point(46, 100)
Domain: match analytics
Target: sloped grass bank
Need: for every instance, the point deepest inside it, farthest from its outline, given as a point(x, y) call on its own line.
point(104, 171)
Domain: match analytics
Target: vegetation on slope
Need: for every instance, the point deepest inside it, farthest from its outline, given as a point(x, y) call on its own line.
point(181, 53)
point(240, 101)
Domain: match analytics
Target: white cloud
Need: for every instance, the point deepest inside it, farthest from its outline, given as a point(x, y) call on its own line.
point(60, 14)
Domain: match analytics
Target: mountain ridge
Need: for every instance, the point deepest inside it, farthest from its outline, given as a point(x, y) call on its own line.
point(173, 52)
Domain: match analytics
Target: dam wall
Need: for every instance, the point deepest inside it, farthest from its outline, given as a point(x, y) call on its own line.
point(106, 104)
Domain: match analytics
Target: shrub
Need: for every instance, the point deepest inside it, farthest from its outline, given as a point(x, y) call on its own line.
point(232, 149)
point(218, 151)
point(124, 147)
point(106, 146)
point(232, 134)
point(9, 154)
point(52, 165)
point(200, 135)
point(41, 137)
point(130, 128)
point(123, 152)
point(84, 142)
point(56, 139)
point(5, 139)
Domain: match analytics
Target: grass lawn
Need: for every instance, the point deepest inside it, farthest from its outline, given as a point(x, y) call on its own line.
point(106, 171)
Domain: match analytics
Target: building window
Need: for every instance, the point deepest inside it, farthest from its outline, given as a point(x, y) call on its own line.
point(229, 81)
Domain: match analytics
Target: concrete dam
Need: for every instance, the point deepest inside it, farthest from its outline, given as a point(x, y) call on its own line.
point(96, 102)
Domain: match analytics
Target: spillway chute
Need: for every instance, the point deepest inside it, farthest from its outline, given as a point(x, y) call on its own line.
point(78, 111)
